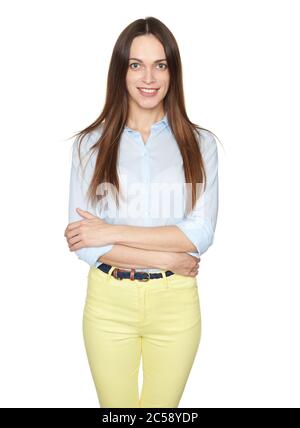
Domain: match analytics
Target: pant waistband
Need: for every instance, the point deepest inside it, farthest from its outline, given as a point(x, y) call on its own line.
point(141, 276)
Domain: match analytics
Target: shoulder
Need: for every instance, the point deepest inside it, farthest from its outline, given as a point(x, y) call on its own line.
point(85, 142)
point(207, 141)
point(89, 139)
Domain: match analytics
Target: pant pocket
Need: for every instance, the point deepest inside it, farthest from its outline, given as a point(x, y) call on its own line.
point(182, 282)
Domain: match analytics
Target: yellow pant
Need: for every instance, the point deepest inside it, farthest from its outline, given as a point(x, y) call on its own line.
point(124, 319)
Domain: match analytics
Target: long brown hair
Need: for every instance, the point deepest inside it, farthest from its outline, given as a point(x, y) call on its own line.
point(114, 115)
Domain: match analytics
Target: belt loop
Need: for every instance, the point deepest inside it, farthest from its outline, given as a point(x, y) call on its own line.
point(109, 273)
point(165, 278)
point(132, 271)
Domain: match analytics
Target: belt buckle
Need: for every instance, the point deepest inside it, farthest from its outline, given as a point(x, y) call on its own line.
point(145, 279)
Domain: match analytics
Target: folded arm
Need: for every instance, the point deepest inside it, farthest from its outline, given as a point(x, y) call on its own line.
point(195, 232)
point(128, 257)
point(160, 238)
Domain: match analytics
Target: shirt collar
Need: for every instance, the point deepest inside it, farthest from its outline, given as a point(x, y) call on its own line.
point(162, 123)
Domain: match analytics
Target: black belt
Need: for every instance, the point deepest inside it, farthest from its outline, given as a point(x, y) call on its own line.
point(132, 274)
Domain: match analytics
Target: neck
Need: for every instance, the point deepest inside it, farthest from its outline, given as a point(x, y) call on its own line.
point(143, 120)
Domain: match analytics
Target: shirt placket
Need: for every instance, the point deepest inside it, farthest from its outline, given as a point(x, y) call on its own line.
point(147, 185)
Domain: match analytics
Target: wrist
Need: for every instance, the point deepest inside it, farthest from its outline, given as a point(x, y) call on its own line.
point(166, 261)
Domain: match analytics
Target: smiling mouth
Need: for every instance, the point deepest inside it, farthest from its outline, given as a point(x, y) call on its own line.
point(149, 91)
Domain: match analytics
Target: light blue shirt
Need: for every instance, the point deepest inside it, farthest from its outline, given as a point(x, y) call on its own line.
point(152, 178)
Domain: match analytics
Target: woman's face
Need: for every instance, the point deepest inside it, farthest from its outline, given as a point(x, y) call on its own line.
point(147, 68)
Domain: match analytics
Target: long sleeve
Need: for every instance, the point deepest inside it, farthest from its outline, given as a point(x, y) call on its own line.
point(79, 181)
point(199, 226)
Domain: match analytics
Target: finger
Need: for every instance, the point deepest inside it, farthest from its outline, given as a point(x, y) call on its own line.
point(85, 214)
point(73, 225)
point(66, 231)
point(74, 240)
point(74, 229)
point(76, 246)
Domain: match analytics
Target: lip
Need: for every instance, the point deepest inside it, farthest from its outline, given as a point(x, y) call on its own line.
point(147, 94)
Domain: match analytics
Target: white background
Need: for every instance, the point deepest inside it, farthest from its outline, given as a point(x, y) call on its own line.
point(241, 78)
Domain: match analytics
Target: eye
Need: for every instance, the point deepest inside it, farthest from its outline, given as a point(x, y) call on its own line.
point(165, 65)
point(133, 63)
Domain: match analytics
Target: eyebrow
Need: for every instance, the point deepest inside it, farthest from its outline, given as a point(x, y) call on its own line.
point(158, 60)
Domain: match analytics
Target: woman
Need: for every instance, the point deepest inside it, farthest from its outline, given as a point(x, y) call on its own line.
point(142, 292)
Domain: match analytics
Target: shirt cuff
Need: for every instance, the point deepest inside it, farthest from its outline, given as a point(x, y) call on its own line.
point(91, 254)
point(200, 234)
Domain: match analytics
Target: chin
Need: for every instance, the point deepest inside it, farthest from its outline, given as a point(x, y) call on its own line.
point(148, 104)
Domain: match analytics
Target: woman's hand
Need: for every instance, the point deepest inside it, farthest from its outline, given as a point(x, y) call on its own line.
point(184, 264)
point(92, 231)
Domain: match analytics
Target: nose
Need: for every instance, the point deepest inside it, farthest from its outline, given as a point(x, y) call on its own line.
point(148, 75)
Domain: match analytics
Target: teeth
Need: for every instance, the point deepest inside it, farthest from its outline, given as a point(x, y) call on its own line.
point(149, 91)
